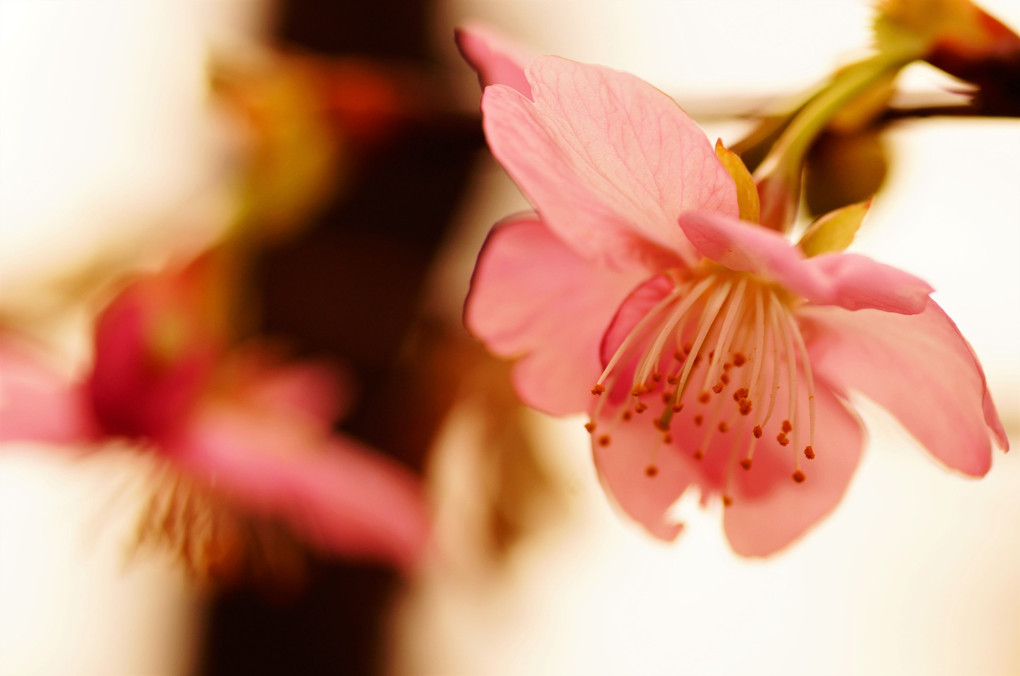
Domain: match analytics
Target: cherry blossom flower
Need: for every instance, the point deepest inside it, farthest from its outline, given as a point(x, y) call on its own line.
point(241, 439)
point(709, 352)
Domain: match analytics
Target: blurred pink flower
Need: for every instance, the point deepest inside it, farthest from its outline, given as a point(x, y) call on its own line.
point(708, 351)
point(240, 433)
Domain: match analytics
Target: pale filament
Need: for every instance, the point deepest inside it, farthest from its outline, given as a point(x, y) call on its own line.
point(712, 307)
point(725, 334)
point(808, 376)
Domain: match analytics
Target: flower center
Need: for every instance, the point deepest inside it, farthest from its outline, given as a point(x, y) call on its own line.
point(720, 348)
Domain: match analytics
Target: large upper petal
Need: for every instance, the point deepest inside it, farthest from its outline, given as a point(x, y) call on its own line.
point(608, 161)
point(850, 281)
point(336, 494)
point(920, 368)
point(495, 59)
point(37, 403)
point(533, 297)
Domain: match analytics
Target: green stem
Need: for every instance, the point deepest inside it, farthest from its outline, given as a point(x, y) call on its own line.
point(789, 151)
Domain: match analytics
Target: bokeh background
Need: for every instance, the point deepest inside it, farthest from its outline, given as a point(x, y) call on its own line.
point(113, 152)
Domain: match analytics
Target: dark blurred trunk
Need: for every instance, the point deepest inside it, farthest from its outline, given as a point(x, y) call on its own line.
point(349, 286)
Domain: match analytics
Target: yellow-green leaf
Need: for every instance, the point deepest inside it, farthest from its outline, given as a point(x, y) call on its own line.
point(834, 231)
point(747, 193)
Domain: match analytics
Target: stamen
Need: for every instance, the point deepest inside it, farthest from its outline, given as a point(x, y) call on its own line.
point(711, 312)
point(791, 372)
point(808, 379)
point(637, 331)
point(651, 357)
point(726, 332)
point(774, 345)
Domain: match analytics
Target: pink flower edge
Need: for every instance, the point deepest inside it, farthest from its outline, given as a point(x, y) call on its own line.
point(341, 497)
point(850, 281)
point(496, 60)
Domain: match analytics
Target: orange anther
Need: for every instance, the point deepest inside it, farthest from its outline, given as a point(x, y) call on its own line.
point(799, 477)
point(809, 453)
point(723, 427)
point(604, 440)
point(640, 407)
point(781, 438)
point(698, 419)
point(598, 389)
point(590, 426)
point(628, 414)
point(651, 470)
point(727, 501)
point(786, 426)
point(704, 397)
point(739, 359)
point(746, 463)
point(757, 431)
point(698, 454)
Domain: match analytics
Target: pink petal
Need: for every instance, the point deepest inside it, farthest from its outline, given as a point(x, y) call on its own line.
point(769, 509)
point(335, 493)
point(860, 283)
point(623, 464)
point(153, 355)
point(608, 161)
point(847, 280)
point(496, 60)
point(36, 402)
point(920, 368)
point(633, 309)
point(533, 297)
point(317, 391)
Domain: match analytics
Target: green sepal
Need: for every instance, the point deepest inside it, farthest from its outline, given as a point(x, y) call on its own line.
point(834, 231)
point(747, 193)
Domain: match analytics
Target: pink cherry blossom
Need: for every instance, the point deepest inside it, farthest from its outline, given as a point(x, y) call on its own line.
point(708, 352)
point(237, 433)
